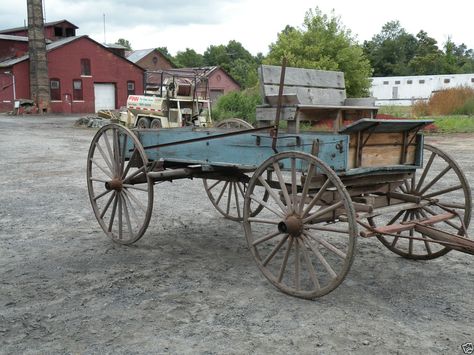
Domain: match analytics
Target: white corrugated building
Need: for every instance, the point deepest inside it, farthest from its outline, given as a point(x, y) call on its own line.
point(405, 90)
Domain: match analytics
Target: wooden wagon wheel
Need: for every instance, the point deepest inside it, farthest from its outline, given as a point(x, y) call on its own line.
point(442, 179)
point(235, 123)
point(228, 196)
point(304, 239)
point(123, 210)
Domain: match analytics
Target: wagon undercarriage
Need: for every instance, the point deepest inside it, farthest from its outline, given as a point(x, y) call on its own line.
point(303, 199)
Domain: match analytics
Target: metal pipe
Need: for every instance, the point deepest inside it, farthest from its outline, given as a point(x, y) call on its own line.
point(274, 131)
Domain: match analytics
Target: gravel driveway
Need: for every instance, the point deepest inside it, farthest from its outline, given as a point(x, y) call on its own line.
point(190, 284)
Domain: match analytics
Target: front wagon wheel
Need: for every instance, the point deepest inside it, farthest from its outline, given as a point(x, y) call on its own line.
point(303, 240)
point(120, 191)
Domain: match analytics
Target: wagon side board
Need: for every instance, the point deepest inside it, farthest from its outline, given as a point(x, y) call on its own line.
point(347, 154)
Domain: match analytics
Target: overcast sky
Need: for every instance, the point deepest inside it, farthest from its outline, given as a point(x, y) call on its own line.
point(197, 24)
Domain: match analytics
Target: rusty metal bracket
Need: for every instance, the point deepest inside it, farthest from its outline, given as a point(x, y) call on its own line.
point(274, 131)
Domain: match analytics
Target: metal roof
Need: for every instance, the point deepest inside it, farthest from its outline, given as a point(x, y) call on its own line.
point(46, 24)
point(135, 56)
point(14, 38)
point(49, 47)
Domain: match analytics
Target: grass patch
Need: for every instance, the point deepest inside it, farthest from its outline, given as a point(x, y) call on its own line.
point(453, 124)
point(396, 111)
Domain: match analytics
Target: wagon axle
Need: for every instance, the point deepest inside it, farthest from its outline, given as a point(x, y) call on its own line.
point(114, 184)
point(292, 225)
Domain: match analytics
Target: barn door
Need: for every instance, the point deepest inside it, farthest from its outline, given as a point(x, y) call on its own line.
point(104, 96)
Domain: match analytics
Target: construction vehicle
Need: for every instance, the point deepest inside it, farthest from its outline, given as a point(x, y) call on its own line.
point(172, 99)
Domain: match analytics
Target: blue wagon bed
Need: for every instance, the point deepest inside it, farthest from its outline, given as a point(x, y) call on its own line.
point(303, 197)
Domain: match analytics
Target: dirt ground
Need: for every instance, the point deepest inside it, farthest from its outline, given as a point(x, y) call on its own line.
point(190, 285)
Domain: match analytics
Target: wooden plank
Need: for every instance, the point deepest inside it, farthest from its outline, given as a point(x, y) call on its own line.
point(381, 139)
point(360, 101)
point(310, 96)
point(311, 78)
point(286, 100)
point(269, 113)
point(378, 156)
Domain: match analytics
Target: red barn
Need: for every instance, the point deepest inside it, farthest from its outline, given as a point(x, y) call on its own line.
point(52, 30)
point(84, 75)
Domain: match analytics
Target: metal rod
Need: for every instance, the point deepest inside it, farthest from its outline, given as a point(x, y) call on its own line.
point(274, 132)
point(207, 138)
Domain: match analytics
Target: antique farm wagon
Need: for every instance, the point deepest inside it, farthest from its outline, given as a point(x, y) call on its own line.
point(303, 197)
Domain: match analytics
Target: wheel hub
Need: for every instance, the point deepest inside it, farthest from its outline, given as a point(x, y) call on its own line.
point(293, 225)
point(114, 184)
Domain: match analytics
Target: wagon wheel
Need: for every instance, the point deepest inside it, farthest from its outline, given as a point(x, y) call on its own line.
point(235, 123)
point(442, 179)
point(228, 196)
point(122, 209)
point(304, 239)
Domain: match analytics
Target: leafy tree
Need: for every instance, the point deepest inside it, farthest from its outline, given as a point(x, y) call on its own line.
point(189, 59)
point(245, 73)
point(125, 43)
point(236, 60)
point(391, 50)
point(395, 52)
point(323, 43)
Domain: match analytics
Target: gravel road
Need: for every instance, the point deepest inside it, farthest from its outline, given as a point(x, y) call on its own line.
point(190, 285)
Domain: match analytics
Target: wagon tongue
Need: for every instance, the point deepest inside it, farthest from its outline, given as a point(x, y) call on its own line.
point(425, 227)
point(450, 240)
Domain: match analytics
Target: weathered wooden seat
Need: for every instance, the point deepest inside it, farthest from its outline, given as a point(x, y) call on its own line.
point(310, 95)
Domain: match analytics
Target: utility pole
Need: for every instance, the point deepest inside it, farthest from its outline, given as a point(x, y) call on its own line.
point(39, 79)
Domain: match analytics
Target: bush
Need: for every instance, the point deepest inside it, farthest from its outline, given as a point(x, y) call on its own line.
point(239, 104)
point(459, 100)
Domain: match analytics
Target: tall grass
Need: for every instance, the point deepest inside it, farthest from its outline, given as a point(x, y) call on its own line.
point(458, 100)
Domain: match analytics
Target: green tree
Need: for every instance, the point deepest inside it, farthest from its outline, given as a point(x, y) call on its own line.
point(391, 50)
point(189, 59)
point(125, 43)
point(236, 60)
point(323, 43)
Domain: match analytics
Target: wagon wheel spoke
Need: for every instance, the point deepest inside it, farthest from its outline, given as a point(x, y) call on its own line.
point(442, 183)
point(116, 214)
point(228, 197)
point(285, 237)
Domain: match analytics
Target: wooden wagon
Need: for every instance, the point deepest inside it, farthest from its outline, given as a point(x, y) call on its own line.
point(303, 197)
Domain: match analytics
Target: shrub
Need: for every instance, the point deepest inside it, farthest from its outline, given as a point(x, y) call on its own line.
point(239, 104)
point(459, 100)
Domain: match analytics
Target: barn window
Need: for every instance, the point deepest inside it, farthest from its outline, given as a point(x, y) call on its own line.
point(385, 82)
point(55, 87)
point(421, 81)
point(85, 66)
point(446, 81)
point(397, 82)
point(409, 81)
point(58, 31)
point(131, 87)
point(77, 94)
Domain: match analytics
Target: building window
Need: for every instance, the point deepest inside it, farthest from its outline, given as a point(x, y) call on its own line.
point(421, 81)
point(409, 81)
point(85, 66)
point(77, 94)
point(446, 81)
point(131, 87)
point(58, 31)
point(385, 82)
point(472, 80)
point(397, 82)
point(55, 87)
